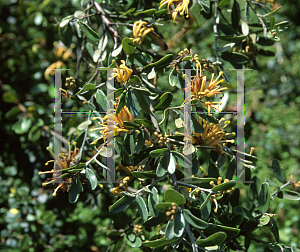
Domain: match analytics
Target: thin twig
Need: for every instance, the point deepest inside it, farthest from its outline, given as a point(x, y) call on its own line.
point(260, 19)
point(216, 30)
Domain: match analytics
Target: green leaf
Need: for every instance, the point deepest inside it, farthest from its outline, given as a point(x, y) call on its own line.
point(126, 158)
point(117, 51)
point(205, 205)
point(83, 125)
point(135, 81)
point(196, 126)
point(159, 242)
point(179, 224)
point(233, 38)
point(136, 243)
point(214, 239)
point(139, 143)
point(222, 3)
point(122, 204)
point(128, 46)
point(230, 231)
point(245, 213)
point(89, 32)
point(235, 58)
point(144, 175)
point(169, 232)
point(148, 12)
point(231, 168)
point(180, 159)
point(129, 143)
point(91, 178)
point(143, 101)
point(264, 220)
point(272, 23)
point(142, 208)
point(173, 78)
point(9, 97)
point(118, 92)
point(266, 53)
point(153, 199)
point(101, 100)
point(34, 133)
point(193, 220)
point(158, 152)
point(279, 173)
point(287, 194)
point(205, 4)
point(132, 103)
point(162, 62)
point(86, 87)
point(22, 126)
point(224, 186)
point(121, 104)
point(163, 165)
point(129, 12)
point(172, 165)
point(274, 229)
point(235, 15)
point(163, 101)
point(245, 28)
point(75, 190)
point(165, 117)
point(171, 195)
point(139, 59)
point(162, 206)
point(13, 113)
point(265, 41)
point(264, 197)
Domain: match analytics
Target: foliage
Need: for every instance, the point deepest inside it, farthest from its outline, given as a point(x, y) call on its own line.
point(157, 207)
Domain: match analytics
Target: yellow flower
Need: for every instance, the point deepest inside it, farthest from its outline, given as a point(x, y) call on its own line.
point(140, 30)
point(119, 126)
point(63, 161)
point(213, 135)
point(14, 211)
point(181, 7)
point(122, 72)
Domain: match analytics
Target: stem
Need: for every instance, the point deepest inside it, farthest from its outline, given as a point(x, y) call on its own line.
point(215, 30)
point(260, 19)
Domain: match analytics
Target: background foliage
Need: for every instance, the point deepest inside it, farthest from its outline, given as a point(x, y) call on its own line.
point(49, 223)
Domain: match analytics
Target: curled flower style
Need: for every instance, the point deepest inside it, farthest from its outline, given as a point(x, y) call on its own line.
point(140, 30)
point(181, 7)
point(63, 161)
point(122, 72)
point(213, 135)
point(118, 120)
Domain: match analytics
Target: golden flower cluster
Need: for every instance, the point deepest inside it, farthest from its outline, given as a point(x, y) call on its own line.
point(170, 211)
point(140, 30)
point(121, 186)
point(119, 126)
point(63, 161)
point(122, 72)
point(180, 9)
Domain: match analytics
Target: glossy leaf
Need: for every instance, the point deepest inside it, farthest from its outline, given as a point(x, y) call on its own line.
point(235, 15)
point(224, 186)
point(179, 224)
point(91, 178)
point(13, 113)
point(158, 152)
point(171, 195)
point(173, 78)
point(101, 100)
point(288, 194)
point(9, 97)
point(164, 101)
point(193, 220)
point(122, 204)
point(86, 87)
point(172, 165)
point(264, 198)
point(205, 4)
point(214, 239)
point(233, 38)
point(128, 46)
point(231, 168)
point(279, 173)
point(132, 103)
point(89, 32)
point(144, 175)
point(142, 208)
point(230, 231)
point(159, 242)
point(169, 232)
point(162, 62)
point(34, 133)
point(75, 190)
point(143, 101)
point(153, 199)
point(235, 58)
point(121, 103)
point(163, 165)
point(162, 206)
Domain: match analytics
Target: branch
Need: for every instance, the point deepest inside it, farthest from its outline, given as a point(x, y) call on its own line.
point(112, 31)
point(215, 31)
point(260, 19)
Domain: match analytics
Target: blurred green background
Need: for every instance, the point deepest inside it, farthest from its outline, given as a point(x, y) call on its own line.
point(31, 217)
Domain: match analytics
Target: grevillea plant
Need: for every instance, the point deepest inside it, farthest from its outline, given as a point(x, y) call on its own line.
point(158, 207)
